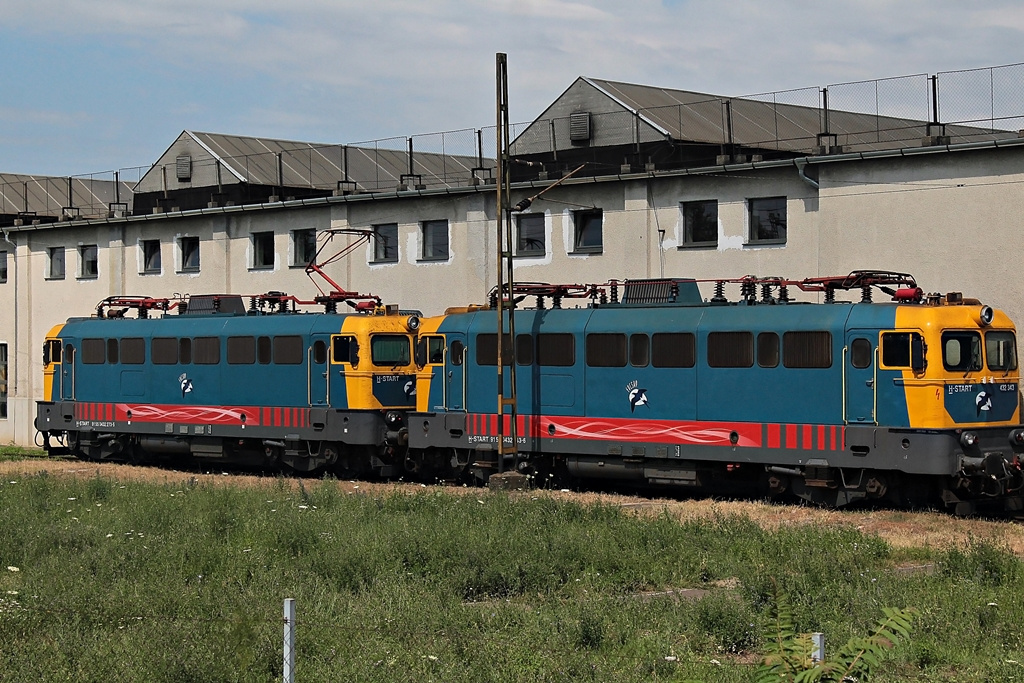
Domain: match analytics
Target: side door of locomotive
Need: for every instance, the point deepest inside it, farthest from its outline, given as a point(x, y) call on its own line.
point(455, 371)
point(319, 369)
point(860, 364)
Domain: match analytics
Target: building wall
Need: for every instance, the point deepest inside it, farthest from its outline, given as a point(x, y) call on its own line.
point(950, 219)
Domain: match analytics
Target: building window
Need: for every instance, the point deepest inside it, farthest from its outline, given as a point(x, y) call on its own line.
point(385, 243)
point(303, 246)
point(3, 267)
point(435, 240)
point(263, 250)
point(700, 224)
point(530, 237)
point(150, 256)
point(189, 254)
point(3, 381)
point(767, 220)
point(587, 232)
point(56, 269)
point(88, 262)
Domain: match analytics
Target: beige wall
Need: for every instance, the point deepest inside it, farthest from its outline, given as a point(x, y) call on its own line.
point(953, 220)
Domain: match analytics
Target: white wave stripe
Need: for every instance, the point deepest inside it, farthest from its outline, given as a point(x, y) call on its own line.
point(188, 413)
point(613, 432)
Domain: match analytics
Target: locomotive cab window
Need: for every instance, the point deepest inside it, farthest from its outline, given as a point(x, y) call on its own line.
point(430, 350)
point(389, 350)
point(961, 351)
point(345, 349)
point(1001, 351)
point(51, 351)
point(903, 350)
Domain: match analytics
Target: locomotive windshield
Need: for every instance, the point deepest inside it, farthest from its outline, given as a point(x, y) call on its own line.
point(1001, 350)
point(961, 351)
point(389, 349)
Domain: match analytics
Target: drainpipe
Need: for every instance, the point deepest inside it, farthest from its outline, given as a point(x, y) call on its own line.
point(801, 164)
point(13, 365)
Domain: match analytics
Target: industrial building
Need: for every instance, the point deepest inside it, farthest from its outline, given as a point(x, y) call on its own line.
point(663, 183)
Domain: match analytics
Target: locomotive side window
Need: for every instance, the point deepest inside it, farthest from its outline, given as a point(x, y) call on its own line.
point(164, 350)
point(94, 351)
point(730, 349)
point(263, 350)
point(133, 350)
point(768, 350)
point(606, 350)
point(896, 349)
point(458, 348)
point(345, 349)
point(206, 350)
point(241, 350)
point(185, 350)
point(557, 349)
point(487, 349)
point(673, 350)
point(390, 350)
point(112, 351)
point(524, 349)
point(1001, 351)
point(860, 353)
point(288, 350)
point(807, 349)
point(639, 350)
point(319, 352)
point(961, 351)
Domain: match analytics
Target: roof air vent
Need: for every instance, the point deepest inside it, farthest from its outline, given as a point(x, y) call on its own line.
point(579, 126)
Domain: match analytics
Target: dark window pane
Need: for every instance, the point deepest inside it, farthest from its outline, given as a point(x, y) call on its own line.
point(606, 350)
point(288, 350)
point(768, 219)
point(639, 350)
point(896, 349)
point(487, 349)
point(69, 354)
point(700, 222)
point(264, 350)
point(94, 351)
point(319, 352)
point(588, 231)
point(807, 349)
point(389, 350)
point(164, 350)
point(185, 350)
point(89, 257)
point(673, 350)
point(151, 256)
point(112, 349)
point(206, 350)
point(385, 242)
point(435, 240)
point(435, 349)
point(860, 353)
point(190, 253)
point(531, 234)
point(457, 351)
point(304, 246)
point(730, 349)
point(241, 350)
point(768, 349)
point(556, 349)
point(524, 349)
point(345, 350)
point(133, 351)
point(262, 252)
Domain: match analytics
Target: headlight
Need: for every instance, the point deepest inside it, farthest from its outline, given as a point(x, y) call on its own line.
point(1017, 437)
point(968, 439)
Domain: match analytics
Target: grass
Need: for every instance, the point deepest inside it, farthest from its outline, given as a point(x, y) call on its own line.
point(125, 581)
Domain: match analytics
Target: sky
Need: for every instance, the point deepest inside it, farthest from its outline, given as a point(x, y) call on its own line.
point(92, 86)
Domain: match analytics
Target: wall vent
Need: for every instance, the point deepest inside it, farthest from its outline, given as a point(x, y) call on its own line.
point(579, 126)
point(183, 168)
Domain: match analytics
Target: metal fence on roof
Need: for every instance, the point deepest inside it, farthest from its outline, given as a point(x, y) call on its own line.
point(958, 106)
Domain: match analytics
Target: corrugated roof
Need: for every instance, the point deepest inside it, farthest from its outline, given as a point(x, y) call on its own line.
point(700, 117)
point(323, 165)
point(51, 195)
